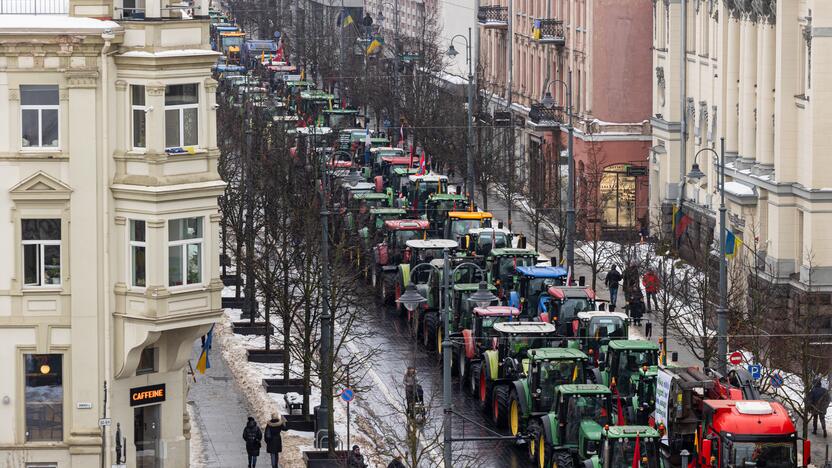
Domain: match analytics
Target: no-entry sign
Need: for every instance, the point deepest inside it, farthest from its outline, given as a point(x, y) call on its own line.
point(735, 358)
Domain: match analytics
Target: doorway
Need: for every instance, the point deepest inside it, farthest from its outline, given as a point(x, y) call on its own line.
point(147, 430)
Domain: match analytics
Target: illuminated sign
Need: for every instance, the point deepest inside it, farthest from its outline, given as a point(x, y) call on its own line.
point(147, 395)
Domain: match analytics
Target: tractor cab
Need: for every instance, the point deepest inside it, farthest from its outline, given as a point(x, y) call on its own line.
point(377, 155)
point(530, 283)
point(389, 165)
point(545, 370)
point(459, 223)
point(230, 44)
point(339, 160)
point(618, 448)
point(481, 334)
point(389, 253)
point(630, 366)
point(596, 329)
point(501, 265)
point(359, 206)
point(420, 187)
point(562, 304)
point(339, 118)
point(484, 239)
point(438, 207)
point(461, 308)
point(427, 280)
point(572, 430)
point(313, 102)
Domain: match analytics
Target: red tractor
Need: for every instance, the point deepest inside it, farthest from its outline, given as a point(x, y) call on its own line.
point(392, 251)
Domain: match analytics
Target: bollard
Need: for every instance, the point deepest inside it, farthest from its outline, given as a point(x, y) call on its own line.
point(685, 454)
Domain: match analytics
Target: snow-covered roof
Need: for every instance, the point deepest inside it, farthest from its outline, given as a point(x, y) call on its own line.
point(738, 189)
point(42, 24)
point(169, 53)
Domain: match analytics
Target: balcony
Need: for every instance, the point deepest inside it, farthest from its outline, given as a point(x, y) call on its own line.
point(543, 118)
point(34, 7)
point(493, 17)
point(549, 31)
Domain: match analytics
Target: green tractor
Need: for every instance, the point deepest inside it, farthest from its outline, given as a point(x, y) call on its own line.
point(501, 265)
point(426, 280)
point(478, 335)
point(618, 448)
point(370, 233)
point(630, 367)
point(503, 364)
point(467, 282)
point(595, 329)
point(572, 430)
point(398, 180)
point(483, 240)
point(439, 205)
point(531, 395)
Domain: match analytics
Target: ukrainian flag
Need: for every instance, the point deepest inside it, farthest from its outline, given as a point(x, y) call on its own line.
point(346, 19)
point(203, 363)
point(375, 45)
point(732, 244)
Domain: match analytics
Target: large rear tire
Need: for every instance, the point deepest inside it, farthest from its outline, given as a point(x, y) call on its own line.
point(474, 379)
point(483, 393)
point(563, 459)
point(514, 414)
point(543, 451)
point(461, 364)
point(439, 342)
point(429, 331)
point(499, 406)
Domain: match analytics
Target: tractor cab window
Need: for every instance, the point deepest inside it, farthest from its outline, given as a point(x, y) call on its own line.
point(628, 363)
point(584, 407)
point(553, 373)
point(460, 227)
point(761, 454)
point(403, 236)
point(572, 305)
point(622, 453)
point(605, 327)
point(519, 344)
point(508, 265)
point(496, 240)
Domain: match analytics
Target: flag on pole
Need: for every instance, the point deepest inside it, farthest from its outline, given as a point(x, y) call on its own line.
point(422, 167)
point(374, 45)
point(732, 244)
point(637, 453)
point(401, 136)
point(569, 276)
point(619, 407)
point(203, 363)
point(680, 222)
point(346, 19)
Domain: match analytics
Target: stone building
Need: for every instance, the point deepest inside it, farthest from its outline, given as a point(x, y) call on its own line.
point(108, 185)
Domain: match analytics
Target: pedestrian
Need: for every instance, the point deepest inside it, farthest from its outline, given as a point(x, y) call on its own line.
point(356, 459)
point(274, 441)
point(252, 436)
point(651, 283)
point(612, 281)
point(818, 403)
point(396, 462)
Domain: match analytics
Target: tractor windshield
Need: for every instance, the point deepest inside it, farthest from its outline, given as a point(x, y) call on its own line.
point(560, 372)
point(762, 454)
point(622, 453)
point(571, 306)
point(488, 241)
point(232, 41)
point(583, 407)
point(628, 365)
point(519, 344)
point(609, 327)
point(460, 227)
point(403, 236)
point(509, 264)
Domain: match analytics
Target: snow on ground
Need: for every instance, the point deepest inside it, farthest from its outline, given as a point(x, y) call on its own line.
point(196, 444)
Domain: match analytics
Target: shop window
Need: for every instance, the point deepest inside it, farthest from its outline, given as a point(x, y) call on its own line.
point(137, 106)
point(138, 249)
point(41, 240)
point(147, 362)
point(618, 197)
point(39, 109)
point(184, 251)
point(181, 115)
point(44, 394)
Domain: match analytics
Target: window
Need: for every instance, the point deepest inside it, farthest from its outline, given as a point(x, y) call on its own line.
point(138, 108)
point(181, 115)
point(44, 395)
point(137, 254)
point(41, 252)
point(39, 116)
point(184, 251)
point(147, 362)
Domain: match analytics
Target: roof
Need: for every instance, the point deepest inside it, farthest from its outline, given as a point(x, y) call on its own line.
point(447, 197)
point(542, 272)
point(496, 311)
point(386, 149)
point(400, 171)
point(470, 214)
point(432, 244)
point(590, 389)
point(489, 230)
point(370, 195)
point(510, 252)
point(309, 130)
point(44, 24)
point(472, 287)
point(397, 160)
point(557, 353)
point(300, 83)
point(316, 94)
point(571, 291)
point(525, 327)
point(630, 432)
point(640, 345)
point(588, 315)
point(360, 186)
point(750, 417)
point(429, 177)
point(406, 224)
point(388, 211)
point(340, 111)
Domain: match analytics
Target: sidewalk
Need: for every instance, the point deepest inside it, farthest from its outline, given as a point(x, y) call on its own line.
point(220, 412)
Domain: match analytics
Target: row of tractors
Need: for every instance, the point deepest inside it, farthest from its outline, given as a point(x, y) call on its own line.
point(548, 363)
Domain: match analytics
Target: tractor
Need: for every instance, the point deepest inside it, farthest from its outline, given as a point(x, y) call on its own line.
point(389, 253)
point(595, 329)
point(460, 222)
point(420, 187)
point(477, 336)
point(503, 364)
point(389, 164)
point(438, 207)
point(629, 367)
point(561, 304)
point(398, 181)
point(530, 396)
point(426, 280)
point(501, 265)
point(618, 448)
point(530, 283)
point(572, 430)
point(379, 154)
point(459, 311)
point(481, 241)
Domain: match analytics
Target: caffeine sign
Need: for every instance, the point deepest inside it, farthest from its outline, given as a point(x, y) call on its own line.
point(147, 395)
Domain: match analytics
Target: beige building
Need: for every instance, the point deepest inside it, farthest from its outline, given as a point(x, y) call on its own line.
point(756, 74)
point(108, 189)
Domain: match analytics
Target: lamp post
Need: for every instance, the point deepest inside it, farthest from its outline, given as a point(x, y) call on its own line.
point(411, 299)
point(469, 157)
point(722, 310)
point(549, 102)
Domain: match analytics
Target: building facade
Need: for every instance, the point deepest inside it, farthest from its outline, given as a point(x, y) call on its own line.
point(755, 76)
point(109, 190)
point(531, 46)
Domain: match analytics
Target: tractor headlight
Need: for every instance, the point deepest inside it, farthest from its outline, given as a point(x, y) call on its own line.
point(591, 447)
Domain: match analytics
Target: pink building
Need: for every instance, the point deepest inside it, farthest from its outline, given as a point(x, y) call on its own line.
point(607, 46)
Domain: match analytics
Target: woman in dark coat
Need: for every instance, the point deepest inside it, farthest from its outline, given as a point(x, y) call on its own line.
point(252, 436)
point(274, 441)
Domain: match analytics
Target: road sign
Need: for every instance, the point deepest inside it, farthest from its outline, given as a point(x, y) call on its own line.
point(105, 422)
point(636, 171)
point(347, 394)
point(776, 380)
point(756, 371)
point(735, 358)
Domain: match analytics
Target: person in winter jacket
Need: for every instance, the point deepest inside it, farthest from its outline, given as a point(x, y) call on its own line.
point(396, 462)
point(651, 283)
point(252, 436)
point(356, 459)
point(274, 441)
point(818, 404)
point(612, 281)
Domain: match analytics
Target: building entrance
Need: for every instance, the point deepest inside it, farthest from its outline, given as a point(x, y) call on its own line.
point(147, 431)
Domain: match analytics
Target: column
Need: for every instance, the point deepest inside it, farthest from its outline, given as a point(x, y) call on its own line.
point(748, 94)
point(732, 73)
point(765, 101)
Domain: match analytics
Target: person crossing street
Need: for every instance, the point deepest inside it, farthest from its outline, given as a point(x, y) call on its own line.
point(612, 281)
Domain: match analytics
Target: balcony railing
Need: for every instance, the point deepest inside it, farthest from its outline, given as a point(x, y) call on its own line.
point(542, 116)
point(493, 16)
point(34, 7)
point(549, 31)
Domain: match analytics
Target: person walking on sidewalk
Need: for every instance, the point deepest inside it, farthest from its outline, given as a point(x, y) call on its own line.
point(612, 281)
point(252, 436)
point(651, 283)
point(818, 404)
point(356, 459)
point(274, 441)
point(396, 462)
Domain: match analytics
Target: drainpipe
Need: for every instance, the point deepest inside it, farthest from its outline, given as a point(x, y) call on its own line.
point(683, 100)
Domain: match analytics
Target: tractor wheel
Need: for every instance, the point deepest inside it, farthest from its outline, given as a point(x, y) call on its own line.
point(544, 451)
point(563, 459)
point(374, 277)
point(499, 406)
point(532, 449)
point(484, 396)
point(474, 379)
point(386, 290)
point(461, 365)
point(429, 331)
point(514, 413)
point(439, 337)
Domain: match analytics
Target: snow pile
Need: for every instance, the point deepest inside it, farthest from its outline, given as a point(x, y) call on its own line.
point(738, 189)
point(196, 443)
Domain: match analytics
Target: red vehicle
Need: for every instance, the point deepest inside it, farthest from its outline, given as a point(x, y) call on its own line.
point(384, 171)
point(391, 251)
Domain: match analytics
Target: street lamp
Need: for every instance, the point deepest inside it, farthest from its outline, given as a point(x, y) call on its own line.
point(469, 157)
point(411, 299)
point(549, 102)
point(721, 311)
point(483, 297)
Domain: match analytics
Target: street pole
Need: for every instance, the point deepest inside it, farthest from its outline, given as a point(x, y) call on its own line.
point(469, 147)
point(250, 300)
point(396, 119)
point(509, 96)
point(570, 184)
point(722, 311)
point(446, 362)
point(683, 103)
point(326, 314)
